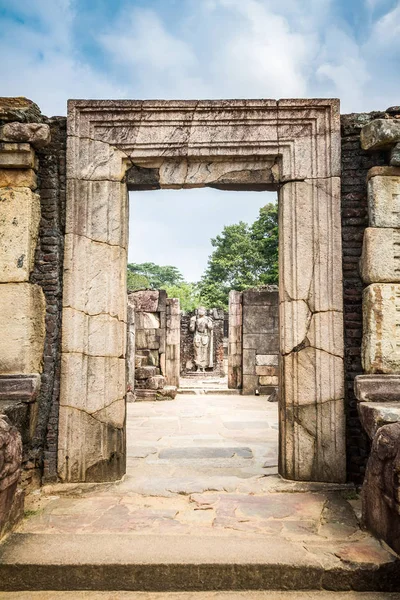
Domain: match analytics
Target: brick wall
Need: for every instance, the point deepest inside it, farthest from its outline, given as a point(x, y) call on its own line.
point(355, 165)
point(48, 274)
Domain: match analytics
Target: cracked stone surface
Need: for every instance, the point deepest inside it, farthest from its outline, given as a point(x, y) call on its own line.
point(207, 466)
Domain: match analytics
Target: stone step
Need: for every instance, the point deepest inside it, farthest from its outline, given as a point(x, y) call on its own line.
point(152, 563)
point(212, 391)
point(114, 595)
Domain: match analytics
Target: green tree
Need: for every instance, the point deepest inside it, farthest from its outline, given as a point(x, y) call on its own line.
point(187, 293)
point(156, 277)
point(136, 281)
point(244, 256)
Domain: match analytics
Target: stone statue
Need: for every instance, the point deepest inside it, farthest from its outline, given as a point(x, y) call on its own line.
point(202, 327)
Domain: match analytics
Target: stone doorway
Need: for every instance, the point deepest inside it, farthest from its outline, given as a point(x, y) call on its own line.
point(292, 146)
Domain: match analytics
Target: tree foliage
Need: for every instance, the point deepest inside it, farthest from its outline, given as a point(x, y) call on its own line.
point(152, 276)
point(244, 256)
point(187, 293)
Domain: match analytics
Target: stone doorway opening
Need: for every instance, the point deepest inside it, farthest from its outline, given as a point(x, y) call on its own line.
point(188, 431)
point(115, 146)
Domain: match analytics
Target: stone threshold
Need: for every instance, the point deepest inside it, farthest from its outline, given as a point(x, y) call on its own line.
point(184, 563)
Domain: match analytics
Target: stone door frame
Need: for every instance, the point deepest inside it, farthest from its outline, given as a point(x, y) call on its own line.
point(289, 145)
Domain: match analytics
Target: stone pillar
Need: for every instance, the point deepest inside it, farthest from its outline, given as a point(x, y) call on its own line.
point(130, 351)
point(173, 342)
point(92, 445)
point(312, 422)
point(235, 353)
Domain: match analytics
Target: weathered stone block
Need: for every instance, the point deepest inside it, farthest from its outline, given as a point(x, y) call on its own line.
point(249, 384)
point(169, 392)
point(380, 493)
point(37, 134)
point(94, 335)
point(146, 372)
point(380, 259)
point(384, 200)
point(309, 454)
point(377, 388)
point(395, 155)
point(147, 320)
point(19, 388)
point(94, 277)
point(98, 210)
point(101, 379)
point(268, 380)
point(264, 370)
point(22, 323)
point(381, 328)
point(16, 156)
point(256, 319)
point(91, 449)
point(156, 382)
point(262, 297)
point(380, 133)
point(16, 178)
point(374, 415)
point(268, 360)
point(19, 109)
point(19, 227)
point(249, 361)
point(145, 300)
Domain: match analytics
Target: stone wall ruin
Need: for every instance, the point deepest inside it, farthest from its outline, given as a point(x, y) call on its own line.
point(106, 166)
point(153, 354)
point(253, 357)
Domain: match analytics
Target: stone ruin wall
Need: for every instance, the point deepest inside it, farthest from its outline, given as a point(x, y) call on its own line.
point(39, 293)
point(187, 352)
point(254, 341)
point(153, 345)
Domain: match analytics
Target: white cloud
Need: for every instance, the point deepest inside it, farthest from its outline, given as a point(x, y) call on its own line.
point(42, 63)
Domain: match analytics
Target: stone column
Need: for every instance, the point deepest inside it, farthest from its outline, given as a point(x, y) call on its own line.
point(130, 351)
point(93, 367)
point(235, 353)
point(173, 342)
point(312, 422)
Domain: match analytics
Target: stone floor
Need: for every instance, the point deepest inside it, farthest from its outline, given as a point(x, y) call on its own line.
point(201, 487)
point(205, 465)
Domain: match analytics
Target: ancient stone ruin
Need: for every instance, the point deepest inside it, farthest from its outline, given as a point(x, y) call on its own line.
point(64, 316)
point(153, 358)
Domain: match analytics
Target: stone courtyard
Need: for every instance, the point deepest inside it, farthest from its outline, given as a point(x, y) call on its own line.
point(201, 486)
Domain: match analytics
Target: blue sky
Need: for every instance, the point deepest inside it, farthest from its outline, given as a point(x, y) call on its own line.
point(53, 50)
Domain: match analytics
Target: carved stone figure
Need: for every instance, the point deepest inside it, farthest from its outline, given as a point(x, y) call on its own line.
point(381, 489)
point(10, 468)
point(202, 326)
